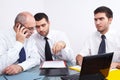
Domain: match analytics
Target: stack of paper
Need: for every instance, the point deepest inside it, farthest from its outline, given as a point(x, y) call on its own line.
point(53, 64)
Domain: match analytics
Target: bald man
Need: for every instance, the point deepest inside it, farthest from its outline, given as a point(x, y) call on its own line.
point(18, 40)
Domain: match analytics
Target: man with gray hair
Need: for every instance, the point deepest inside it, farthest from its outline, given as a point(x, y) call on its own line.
point(17, 50)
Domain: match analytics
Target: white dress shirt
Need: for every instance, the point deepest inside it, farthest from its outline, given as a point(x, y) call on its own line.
point(54, 36)
point(112, 41)
point(10, 48)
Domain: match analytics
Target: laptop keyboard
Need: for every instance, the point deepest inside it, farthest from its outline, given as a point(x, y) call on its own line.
point(71, 77)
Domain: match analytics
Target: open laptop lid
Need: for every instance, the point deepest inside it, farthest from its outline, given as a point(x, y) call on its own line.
point(96, 65)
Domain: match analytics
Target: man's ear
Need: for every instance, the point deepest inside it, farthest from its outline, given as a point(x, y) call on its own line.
point(49, 22)
point(16, 26)
point(110, 20)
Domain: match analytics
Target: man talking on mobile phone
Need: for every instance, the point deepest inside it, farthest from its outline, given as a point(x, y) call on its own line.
point(17, 50)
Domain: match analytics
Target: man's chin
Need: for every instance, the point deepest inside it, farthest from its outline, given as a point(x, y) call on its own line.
point(43, 35)
point(99, 30)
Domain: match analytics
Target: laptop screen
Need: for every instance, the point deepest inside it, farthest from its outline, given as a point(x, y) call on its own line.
point(96, 65)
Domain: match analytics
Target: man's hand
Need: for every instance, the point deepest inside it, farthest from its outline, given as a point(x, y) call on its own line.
point(13, 69)
point(115, 65)
point(118, 66)
point(58, 46)
point(79, 59)
point(21, 33)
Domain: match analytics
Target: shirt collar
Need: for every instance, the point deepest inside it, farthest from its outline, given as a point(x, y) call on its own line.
point(48, 36)
point(107, 35)
point(41, 37)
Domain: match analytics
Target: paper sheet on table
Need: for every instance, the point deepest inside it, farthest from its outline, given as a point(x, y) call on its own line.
point(53, 64)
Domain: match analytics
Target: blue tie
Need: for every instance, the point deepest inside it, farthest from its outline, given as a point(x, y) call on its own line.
point(22, 56)
point(102, 47)
point(48, 54)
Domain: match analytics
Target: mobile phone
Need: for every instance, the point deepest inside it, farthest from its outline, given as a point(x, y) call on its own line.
point(21, 25)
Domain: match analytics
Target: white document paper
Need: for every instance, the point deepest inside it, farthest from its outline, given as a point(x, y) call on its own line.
point(53, 64)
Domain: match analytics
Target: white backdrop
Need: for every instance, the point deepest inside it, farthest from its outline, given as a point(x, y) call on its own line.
point(75, 17)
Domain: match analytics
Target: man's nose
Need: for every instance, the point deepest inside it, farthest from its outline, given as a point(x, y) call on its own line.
point(98, 22)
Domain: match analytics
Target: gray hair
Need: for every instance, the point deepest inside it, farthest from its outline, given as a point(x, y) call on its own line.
point(21, 18)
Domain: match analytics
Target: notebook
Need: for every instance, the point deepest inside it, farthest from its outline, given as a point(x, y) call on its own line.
point(54, 68)
point(95, 67)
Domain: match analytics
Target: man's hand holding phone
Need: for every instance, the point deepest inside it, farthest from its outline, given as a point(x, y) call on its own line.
point(21, 33)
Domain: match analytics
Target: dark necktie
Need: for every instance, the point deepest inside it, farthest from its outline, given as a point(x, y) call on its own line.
point(22, 56)
point(48, 55)
point(102, 47)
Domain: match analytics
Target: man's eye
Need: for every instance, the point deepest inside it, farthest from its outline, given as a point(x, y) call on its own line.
point(43, 25)
point(37, 26)
point(101, 18)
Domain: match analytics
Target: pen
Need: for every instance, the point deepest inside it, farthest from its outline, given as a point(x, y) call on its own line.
point(5, 77)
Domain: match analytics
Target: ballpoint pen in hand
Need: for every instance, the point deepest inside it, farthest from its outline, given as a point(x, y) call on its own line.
point(4, 77)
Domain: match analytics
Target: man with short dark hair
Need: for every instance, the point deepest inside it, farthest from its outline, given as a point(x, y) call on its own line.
point(58, 42)
point(104, 40)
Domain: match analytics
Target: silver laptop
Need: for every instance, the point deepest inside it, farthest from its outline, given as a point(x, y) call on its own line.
point(95, 67)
